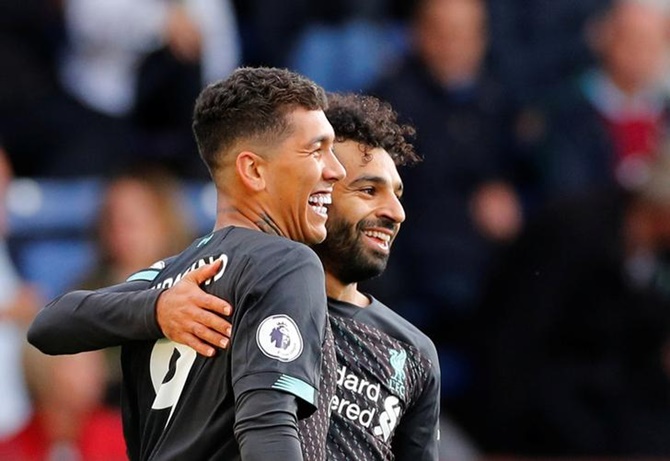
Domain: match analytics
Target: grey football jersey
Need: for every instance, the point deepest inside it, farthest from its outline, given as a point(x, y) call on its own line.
point(178, 405)
point(387, 399)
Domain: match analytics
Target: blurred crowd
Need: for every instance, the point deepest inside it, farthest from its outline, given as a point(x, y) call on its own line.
point(536, 250)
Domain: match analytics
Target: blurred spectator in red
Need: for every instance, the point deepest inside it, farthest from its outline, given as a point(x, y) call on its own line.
point(19, 302)
point(462, 203)
point(578, 328)
point(601, 125)
point(69, 423)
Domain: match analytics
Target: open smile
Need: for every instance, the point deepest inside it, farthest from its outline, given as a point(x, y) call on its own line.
point(318, 202)
point(382, 239)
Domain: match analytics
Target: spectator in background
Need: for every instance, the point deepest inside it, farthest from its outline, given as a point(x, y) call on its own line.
point(69, 423)
point(579, 327)
point(315, 38)
point(27, 50)
point(601, 125)
point(273, 29)
point(463, 202)
point(30, 34)
point(538, 44)
point(19, 303)
point(142, 220)
point(128, 73)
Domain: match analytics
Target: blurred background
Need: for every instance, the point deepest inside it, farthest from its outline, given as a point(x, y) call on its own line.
point(536, 251)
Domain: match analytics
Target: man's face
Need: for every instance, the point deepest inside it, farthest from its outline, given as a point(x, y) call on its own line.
point(636, 45)
point(365, 215)
point(452, 38)
point(301, 172)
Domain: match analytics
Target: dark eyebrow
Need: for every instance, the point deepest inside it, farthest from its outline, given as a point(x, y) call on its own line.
point(375, 180)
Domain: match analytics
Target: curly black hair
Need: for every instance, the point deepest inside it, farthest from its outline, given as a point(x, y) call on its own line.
point(372, 123)
point(251, 103)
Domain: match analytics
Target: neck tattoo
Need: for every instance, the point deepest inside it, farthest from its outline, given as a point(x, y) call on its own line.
point(267, 225)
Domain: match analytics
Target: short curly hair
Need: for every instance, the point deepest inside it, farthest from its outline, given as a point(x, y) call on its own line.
point(252, 103)
point(372, 123)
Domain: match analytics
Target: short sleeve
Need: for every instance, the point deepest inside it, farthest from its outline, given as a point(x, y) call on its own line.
point(279, 337)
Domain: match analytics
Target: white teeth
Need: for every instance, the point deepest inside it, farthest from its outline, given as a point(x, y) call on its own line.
point(320, 199)
point(322, 210)
point(378, 235)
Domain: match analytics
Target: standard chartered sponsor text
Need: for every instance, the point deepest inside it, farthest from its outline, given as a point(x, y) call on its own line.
point(364, 403)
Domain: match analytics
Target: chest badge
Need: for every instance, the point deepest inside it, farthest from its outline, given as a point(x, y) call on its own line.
point(397, 381)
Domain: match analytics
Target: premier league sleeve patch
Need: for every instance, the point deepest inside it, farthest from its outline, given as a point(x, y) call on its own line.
point(279, 338)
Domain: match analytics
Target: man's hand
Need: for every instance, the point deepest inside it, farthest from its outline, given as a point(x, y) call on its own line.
point(188, 315)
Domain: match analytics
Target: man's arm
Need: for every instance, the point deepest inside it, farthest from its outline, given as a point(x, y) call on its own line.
point(417, 436)
point(266, 426)
point(87, 320)
point(276, 353)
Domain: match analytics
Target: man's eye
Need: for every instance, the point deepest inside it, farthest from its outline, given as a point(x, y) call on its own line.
point(368, 190)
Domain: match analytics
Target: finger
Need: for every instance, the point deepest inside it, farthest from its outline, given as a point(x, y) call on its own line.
point(203, 273)
point(213, 303)
point(210, 337)
point(213, 322)
point(196, 344)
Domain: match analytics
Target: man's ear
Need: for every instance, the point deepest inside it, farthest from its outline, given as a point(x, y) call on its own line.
point(250, 168)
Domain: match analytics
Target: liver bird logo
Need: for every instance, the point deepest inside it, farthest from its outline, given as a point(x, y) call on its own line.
point(397, 381)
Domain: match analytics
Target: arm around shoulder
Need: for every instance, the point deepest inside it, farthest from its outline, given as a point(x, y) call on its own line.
point(81, 321)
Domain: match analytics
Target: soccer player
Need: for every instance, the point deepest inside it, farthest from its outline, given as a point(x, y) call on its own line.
point(268, 145)
point(387, 400)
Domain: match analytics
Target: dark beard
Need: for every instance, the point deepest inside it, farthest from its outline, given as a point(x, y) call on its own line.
point(343, 253)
